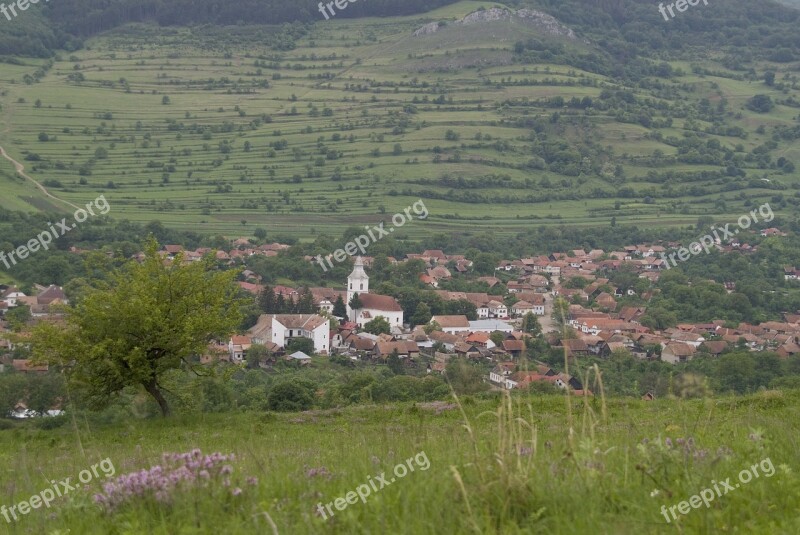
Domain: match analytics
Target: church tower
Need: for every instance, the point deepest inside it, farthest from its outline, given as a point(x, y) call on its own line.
point(357, 282)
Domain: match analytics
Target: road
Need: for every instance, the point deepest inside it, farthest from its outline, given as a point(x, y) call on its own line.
point(21, 170)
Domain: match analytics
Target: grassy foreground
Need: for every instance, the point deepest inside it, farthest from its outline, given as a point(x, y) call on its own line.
point(583, 469)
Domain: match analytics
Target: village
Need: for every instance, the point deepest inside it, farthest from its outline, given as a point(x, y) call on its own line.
point(565, 299)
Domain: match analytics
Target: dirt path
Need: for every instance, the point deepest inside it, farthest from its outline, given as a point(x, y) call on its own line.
point(21, 170)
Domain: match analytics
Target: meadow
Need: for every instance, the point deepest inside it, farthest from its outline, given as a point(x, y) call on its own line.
point(521, 464)
point(219, 130)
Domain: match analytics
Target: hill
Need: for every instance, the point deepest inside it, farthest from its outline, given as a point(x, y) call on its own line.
point(493, 118)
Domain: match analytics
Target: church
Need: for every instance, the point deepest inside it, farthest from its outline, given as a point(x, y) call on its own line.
point(373, 305)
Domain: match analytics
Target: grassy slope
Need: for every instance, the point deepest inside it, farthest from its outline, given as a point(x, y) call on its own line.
point(588, 483)
point(468, 64)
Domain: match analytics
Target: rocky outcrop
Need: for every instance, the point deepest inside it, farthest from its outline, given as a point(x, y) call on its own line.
point(543, 21)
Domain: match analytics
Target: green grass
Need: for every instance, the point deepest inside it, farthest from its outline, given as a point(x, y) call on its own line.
point(587, 470)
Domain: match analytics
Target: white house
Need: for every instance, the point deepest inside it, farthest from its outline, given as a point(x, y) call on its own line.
point(11, 295)
point(497, 309)
point(452, 324)
point(281, 328)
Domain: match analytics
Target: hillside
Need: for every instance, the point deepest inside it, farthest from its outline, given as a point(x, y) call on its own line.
point(494, 118)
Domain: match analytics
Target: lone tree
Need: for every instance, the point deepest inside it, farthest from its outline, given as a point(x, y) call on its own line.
point(339, 310)
point(355, 305)
point(144, 320)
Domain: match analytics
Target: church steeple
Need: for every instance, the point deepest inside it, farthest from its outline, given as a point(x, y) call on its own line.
point(358, 281)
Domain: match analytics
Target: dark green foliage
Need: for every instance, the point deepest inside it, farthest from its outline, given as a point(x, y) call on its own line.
point(297, 395)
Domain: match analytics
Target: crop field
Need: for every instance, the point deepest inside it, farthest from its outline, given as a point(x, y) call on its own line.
point(360, 120)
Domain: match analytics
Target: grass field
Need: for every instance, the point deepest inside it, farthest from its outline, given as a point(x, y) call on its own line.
point(523, 465)
point(208, 130)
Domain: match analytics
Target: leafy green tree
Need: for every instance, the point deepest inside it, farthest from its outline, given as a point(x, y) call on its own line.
point(530, 324)
point(394, 362)
point(267, 301)
point(355, 304)
point(465, 377)
point(422, 315)
point(379, 325)
point(12, 390)
point(306, 345)
point(291, 396)
point(760, 103)
point(149, 320)
point(256, 355)
point(497, 338)
point(18, 317)
point(339, 308)
point(432, 326)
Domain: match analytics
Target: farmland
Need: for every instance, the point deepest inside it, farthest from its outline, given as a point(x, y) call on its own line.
point(205, 128)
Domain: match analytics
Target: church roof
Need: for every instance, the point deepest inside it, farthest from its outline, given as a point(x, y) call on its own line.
point(380, 302)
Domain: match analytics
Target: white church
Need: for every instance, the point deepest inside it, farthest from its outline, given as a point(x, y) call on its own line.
point(373, 305)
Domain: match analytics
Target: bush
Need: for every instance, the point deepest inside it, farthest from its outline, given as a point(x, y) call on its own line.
point(291, 397)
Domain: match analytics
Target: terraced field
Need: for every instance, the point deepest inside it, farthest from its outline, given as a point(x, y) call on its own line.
point(362, 119)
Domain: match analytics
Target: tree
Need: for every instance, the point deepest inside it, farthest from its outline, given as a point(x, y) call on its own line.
point(769, 78)
point(256, 355)
point(355, 304)
point(379, 325)
point(465, 377)
point(305, 305)
point(18, 317)
point(394, 362)
point(339, 309)
point(432, 326)
point(266, 300)
point(497, 338)
point(306, 345)
point(422, 315)
point(148, 320)
point(760, 103)
point(530, 324)
point(291, 396)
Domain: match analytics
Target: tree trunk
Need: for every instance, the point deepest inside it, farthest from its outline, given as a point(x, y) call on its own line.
point(152, 389)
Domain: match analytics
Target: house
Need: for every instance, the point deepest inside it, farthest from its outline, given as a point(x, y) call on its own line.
point(480, 339)
point(446, 339)
point(675, 352)
point(11, 295)
point(520, 308)
point(500, 372)
point(452, 324)
point(281, 328)
point(300, 357)
point(714, 348)
point(693, 340)
point(606, 300)
point(513, 347)
point(238, 346)
point(26, 366)
point(574, 347)
point(497, 309)
point(405, 349)
point(464, 349)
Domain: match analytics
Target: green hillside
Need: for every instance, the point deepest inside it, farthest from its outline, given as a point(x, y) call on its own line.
point(506, 123)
